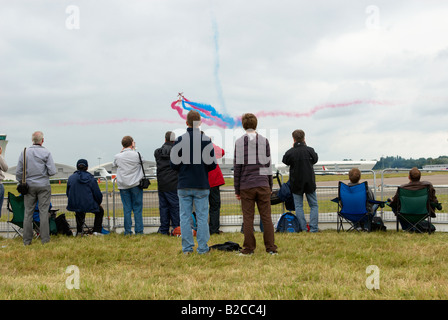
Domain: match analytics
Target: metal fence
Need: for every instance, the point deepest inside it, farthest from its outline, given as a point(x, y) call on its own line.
point(231, 214)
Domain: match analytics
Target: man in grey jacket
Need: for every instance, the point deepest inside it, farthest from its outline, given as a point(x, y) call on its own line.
point(39, 167)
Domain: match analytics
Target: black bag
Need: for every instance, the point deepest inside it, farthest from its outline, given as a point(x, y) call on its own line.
point(144, 182)
point(227, 246)
point(63, 226)
point(377, 224)
point(23, 187)
point(424, 227)
point(274, 198)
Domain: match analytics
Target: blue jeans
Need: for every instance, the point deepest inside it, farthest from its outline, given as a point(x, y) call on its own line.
point(2, 194)
point(132, 200)
point(314, 216)
point(169, 211)
point(198, 197)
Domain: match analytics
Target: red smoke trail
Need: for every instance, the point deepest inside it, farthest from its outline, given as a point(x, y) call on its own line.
point(318, 108)
point(117, 121)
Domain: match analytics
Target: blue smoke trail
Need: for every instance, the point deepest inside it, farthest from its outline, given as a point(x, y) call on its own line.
point(200, 107)
point(217, 64)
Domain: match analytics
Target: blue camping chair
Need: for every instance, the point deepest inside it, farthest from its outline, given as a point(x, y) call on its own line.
point(352, 207)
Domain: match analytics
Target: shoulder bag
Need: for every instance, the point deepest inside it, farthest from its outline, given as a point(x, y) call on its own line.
point(23, 187)
point(144, 182)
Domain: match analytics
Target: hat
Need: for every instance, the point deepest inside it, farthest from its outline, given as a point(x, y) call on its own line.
point(82, 163)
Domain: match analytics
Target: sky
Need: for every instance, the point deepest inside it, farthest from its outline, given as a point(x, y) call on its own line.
point(363, 79)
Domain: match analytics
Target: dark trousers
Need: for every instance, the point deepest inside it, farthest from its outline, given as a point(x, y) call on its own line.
point(169, 211)
point(214, 200)
point(97, 224)
point(262, 197)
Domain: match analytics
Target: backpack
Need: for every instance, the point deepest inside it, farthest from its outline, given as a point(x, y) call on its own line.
point(285, 195)
point(63, 226)
point(288, 222)
point(377, 224)
point(227, 246)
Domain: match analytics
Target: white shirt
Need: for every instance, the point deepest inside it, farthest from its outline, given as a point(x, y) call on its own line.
point(129, 169)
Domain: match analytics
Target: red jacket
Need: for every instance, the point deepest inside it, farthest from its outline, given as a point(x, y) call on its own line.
point(215, 177)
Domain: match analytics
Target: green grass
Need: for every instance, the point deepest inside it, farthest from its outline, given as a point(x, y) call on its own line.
point(327, 265)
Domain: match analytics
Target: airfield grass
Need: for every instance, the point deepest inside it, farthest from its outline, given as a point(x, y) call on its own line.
point(323, 266)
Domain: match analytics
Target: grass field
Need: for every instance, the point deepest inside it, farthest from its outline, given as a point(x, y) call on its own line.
point(326, 265)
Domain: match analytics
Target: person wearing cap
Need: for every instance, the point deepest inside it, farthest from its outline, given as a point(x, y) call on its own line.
point(84, 195)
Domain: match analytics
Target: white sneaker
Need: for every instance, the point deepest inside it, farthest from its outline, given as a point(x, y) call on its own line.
point(98, 234)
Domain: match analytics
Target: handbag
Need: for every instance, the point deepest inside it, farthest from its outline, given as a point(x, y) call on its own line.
point(23, 187)
point(144, 182)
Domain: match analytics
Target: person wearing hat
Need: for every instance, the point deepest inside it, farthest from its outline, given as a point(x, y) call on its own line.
point(84, 195)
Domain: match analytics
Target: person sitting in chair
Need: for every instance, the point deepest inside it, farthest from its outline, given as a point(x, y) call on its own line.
point(355, 176)
point(416, 184)
point(84, 195)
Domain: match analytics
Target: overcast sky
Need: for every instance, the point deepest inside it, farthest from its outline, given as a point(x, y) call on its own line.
point(90, 74)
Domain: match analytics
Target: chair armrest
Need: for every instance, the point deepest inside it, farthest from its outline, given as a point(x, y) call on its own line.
point(335, 200)
point(380, 203)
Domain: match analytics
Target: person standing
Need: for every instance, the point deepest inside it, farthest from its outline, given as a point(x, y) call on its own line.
point(3, 168)
point(300, 159)
point(253, 184)
point(84, 195)
point(167, 186)
point(129, 174)
point(193, 157)
point(39, 167)
point(215, 179)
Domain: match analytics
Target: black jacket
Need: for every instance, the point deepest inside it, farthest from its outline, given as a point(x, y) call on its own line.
point(166, 177)
point(300, 160)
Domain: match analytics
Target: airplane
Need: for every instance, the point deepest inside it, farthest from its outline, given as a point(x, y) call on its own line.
point(100, 172)
point(336, 167)
point(325, 171)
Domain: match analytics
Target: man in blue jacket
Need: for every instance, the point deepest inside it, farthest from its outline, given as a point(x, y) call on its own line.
point(193, 157)
point(84, 195)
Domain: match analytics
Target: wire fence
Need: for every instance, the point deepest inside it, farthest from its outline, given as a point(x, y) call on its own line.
point(231, 214)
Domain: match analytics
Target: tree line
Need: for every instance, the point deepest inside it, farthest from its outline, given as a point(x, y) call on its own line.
point(399, 162)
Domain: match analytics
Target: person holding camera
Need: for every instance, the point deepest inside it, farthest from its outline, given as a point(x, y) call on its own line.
point(129, 174)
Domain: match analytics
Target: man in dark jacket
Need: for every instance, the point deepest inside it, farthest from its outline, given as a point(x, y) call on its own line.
point(300, 159)
point(193, 157)
point(84, 195)
point(415, 184)
point(167, 186)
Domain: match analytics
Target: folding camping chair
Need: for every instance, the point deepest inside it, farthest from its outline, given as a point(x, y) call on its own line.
point(413, 209)
point(51, 217)
point(352, 206)
point(16, 206)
